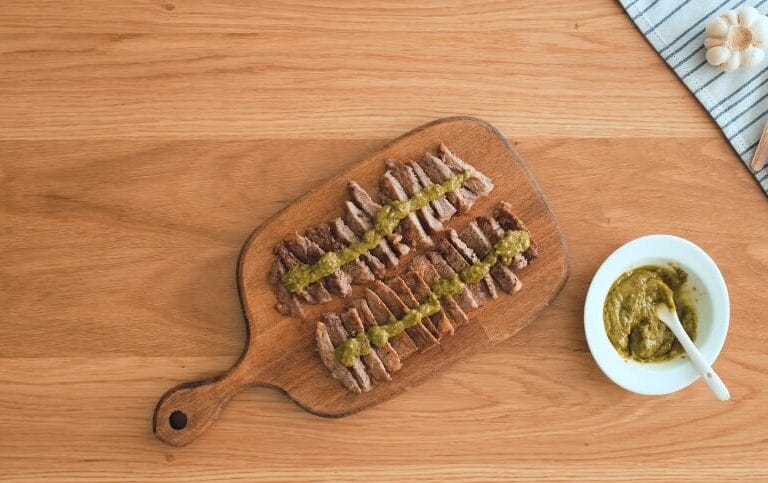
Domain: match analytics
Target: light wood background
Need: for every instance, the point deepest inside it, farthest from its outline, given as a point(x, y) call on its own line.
point(141, 142)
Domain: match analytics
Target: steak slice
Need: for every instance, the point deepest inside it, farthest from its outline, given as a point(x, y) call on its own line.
point(480, 184)
point(404, 293)
point(495, 232)
point(508, 221)
point(310, 252)
point(354, 325)
point(466, 299)
point(407, 178)
point(443, 208)
point(519, 261)
point(359, 222)
point(395, 240)
point(357, 271)
point(378, 268)
point(363, 200)
point(410, 227)
point(386, 353)
point(471, 257)
point(458, 263)
point(338, 335)
point(321, 236)
point(316, 289)
point(310, 293)
point(345, 235)
point(424, 268)
point(462, 199)
point(419, 334)
point(476, 240)
point(328, 355)
point(403, 344)
point(422, 293)
point(287, 303)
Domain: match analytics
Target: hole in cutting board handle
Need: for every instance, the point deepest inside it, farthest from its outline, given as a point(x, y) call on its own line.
point(188, 410)
point(178, 420)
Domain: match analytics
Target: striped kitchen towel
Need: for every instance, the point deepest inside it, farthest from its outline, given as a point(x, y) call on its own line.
point(737, 101)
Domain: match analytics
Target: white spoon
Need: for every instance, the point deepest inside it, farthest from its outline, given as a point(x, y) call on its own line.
point(710, 377)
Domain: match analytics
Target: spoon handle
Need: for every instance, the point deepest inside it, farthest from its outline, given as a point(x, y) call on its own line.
point(710, 377)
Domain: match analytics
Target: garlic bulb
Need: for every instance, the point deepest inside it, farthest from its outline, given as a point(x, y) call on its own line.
point(737, 39)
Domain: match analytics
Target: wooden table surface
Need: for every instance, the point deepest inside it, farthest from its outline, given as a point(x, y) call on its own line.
point(141, 142)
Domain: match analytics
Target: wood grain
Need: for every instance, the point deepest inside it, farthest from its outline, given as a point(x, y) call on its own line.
point(127, 190)
point(288, 70)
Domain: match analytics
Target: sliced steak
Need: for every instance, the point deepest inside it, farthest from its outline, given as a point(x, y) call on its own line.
point(480, 184)
point(404, 293)
point(466, 299)
point(354, 325)
point(424, 268)
point(462, 199)
point(476, 240)
point(398, 245)
point(321, 235)
point(345, 235)
point(504, 275)
point(477, 247)
point(410, 227)
point(316, 289)
point(310, 252)
point(471, 257)
point(508, 221)
point(519, 261)
point(363, 200)
point(338, 335)
point(386, 353)
point(407, 178)
point(309, 294)
point(403, 344)
point(422, 293)
point(359, 222)
point(443, 208)
point(357, 271)
point(419, 334)
point(378, 268)
point(287, 303)
point(328, 355)
point(459, 263)
point(495, 232)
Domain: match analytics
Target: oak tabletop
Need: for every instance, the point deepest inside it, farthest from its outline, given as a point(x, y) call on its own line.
point(142, 142)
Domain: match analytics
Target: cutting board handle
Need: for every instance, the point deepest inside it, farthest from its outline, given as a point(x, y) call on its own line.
point(188, 410)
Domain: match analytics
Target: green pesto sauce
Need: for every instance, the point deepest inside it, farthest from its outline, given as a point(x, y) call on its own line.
point(629, 313)
point(512, 243)
point(385, 222)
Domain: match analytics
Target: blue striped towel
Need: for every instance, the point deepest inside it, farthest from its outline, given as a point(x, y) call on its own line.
point(738, 100)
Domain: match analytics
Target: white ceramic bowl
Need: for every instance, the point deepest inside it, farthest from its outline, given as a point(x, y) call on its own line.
point(706, 290)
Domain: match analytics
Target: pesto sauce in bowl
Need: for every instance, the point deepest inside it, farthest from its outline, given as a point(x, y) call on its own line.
point(629, 313)
point(706, 293)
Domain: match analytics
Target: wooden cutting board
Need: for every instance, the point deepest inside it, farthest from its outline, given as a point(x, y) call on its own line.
point(280, 350)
